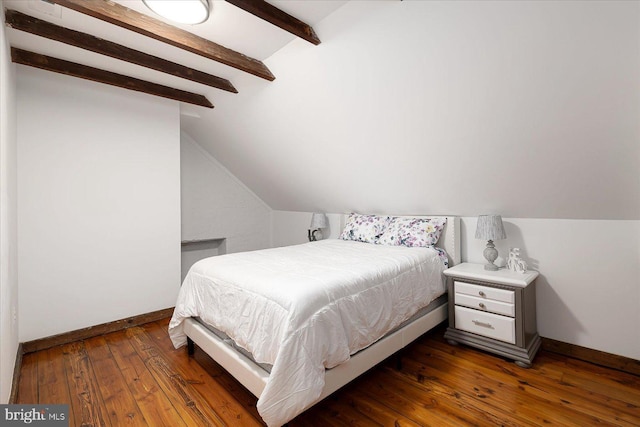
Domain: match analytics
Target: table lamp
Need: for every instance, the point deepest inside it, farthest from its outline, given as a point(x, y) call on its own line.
point(490, 228)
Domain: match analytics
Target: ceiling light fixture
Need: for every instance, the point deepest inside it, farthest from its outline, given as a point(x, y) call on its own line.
point(181, 11)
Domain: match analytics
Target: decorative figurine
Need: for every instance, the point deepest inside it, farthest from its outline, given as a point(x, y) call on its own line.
point(515, 263)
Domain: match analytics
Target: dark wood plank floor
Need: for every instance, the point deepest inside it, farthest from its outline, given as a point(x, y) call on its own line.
point(135, 377)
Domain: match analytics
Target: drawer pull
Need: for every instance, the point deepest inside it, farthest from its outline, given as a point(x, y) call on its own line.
point(481, 305)
point(482, 294)
point(485, 324)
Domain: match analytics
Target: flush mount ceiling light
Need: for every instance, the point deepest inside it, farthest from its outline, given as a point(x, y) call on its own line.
point(181, 11)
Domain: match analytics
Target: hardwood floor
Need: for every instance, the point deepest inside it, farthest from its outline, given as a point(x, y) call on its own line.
point(135, 377)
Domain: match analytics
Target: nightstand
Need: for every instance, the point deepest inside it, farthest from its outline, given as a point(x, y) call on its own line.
point(494, 311)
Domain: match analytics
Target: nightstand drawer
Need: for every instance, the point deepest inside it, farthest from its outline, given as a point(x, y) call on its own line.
point(507, 309)
point(487, 324)
point(502, 295)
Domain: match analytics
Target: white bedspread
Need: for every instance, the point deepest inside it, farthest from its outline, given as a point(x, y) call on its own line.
point(307, 307)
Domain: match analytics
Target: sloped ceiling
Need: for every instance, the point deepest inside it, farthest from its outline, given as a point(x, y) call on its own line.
point(228, 26)
point(528, 109)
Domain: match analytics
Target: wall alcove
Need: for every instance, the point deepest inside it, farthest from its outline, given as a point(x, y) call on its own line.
point(195, 250)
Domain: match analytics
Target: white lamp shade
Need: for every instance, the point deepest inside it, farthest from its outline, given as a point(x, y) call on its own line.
point(318, 220)
point(181, 11)
point(490, 228)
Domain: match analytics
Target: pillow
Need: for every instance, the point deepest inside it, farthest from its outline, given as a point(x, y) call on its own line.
point(364, 228)
point(413, 231)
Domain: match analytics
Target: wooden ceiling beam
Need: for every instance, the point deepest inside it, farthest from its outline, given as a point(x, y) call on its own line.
point(68, 68)
point(41, 28)
point(277, 17)
point(146, 25)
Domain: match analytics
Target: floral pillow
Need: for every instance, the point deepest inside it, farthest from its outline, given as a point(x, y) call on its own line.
point(364, 228)
point(413, 231)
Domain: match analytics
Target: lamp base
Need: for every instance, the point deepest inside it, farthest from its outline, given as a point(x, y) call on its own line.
point(491, 267)
point(315, 235)
point(491, 254)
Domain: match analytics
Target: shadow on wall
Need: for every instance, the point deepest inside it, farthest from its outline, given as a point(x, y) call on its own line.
point(547, 299)
point(553, 306)
point(515, 239)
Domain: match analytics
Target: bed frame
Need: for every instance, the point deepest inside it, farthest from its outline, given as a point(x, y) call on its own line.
point(254, 378)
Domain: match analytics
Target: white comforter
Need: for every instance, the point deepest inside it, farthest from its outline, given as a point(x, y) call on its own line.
point(307, 307)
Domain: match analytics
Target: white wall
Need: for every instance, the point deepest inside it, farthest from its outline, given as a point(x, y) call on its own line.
point(216, 205)
point(99, 203)
point(588, 291)
point(8, 219)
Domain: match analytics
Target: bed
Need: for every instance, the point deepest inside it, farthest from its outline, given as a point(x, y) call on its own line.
point(294, 324)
